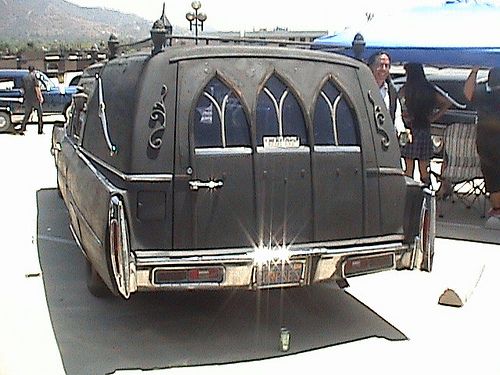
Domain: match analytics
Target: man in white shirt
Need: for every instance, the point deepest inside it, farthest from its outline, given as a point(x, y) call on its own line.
point(380, 65)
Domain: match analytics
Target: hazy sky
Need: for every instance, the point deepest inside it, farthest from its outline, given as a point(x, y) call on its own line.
point(238, 15)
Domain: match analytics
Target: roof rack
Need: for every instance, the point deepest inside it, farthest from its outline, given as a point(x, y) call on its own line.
point(161, 37)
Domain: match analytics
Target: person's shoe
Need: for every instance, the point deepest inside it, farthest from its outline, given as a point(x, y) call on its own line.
point(494, 212)
point(444, 191)
point(20, 132)
point(41, 133)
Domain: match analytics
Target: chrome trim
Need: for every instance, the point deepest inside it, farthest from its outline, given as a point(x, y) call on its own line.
point(337, 149)
point(159, 114)
point(78, 243)
point(427, 252)
point(278, 107)
point(11, 99)
point(87, 224)
point(379, 118)
point(333, 113)
point(145, 259)
point(211, 184)
point(240, 268)
point(282, 150)
point(102, 116)
point(112, 189)
point(123, 262)
point(221, 111)
point(223, 151)
point(198, 253)
point(385, 171)
point(163, 177)
point(450, 98)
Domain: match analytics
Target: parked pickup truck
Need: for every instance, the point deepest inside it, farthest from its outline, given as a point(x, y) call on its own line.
point(235, 166)
point(56, 99)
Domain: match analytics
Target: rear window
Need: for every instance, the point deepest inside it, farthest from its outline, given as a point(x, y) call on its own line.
point(220, 120)
point(279, 113)
point(335, 123)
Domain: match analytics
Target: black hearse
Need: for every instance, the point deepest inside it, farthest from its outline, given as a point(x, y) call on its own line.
point(232, 166)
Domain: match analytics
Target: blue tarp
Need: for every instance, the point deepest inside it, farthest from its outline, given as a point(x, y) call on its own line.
point(454, 34)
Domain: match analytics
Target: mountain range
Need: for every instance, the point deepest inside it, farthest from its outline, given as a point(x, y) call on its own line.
point(60, 20)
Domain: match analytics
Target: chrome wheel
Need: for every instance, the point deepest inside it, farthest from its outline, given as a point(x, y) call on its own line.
point(5, 123)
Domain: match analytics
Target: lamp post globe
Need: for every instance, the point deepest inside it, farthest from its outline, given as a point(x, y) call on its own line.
point(197, 18)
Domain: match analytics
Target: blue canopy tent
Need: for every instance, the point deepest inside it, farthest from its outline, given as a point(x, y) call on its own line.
point(453, 34)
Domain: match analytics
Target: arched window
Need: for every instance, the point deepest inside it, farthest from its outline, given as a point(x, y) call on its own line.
point(279, 113)
point(335, 123)
point(219, 118)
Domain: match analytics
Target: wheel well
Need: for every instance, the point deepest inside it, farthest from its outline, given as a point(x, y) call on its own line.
point(7, 125)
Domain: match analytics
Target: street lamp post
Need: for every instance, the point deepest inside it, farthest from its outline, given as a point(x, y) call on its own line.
point(197, 18)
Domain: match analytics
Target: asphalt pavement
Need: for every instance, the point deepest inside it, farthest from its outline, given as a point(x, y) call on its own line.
point(387, 323)
point(164, 330)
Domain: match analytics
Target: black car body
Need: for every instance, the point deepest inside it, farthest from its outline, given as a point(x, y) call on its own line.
point(237, 167)
point(56, 99)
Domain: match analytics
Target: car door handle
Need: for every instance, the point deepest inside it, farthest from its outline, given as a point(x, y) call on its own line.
point(197, 184)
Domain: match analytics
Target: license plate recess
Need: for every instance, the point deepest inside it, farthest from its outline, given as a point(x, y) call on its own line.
point(278, 273)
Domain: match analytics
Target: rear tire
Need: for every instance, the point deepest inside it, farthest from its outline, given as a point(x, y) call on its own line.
point(95, 285)
point(5, 123)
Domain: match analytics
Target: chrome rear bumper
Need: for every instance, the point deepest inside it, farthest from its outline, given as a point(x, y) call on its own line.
point(241, 270)
point(277, 266)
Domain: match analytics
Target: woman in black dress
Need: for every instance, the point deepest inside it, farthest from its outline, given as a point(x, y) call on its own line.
point(422, 105)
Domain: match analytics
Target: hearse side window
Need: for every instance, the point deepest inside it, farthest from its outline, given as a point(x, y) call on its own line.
point(220, 120)
point(279, 113)
point(335, 123)
point(78, 116)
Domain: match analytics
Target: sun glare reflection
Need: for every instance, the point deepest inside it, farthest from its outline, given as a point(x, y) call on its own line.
point(265, 254)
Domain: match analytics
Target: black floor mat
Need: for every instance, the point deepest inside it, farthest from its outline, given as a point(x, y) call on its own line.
point(162, 330)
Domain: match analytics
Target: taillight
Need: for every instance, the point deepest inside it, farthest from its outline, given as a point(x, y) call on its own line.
point(119, 247)
point(115, 240)
point(427, 231)
point(360, 265)
point(204, 274)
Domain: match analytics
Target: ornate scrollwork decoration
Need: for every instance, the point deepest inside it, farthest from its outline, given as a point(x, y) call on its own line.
point(158, 116)
point(379, 122)
point(113, 150)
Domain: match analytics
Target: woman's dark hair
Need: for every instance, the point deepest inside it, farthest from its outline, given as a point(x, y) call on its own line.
point(420, 96)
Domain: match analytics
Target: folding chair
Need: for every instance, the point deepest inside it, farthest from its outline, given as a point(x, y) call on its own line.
point(461, 169)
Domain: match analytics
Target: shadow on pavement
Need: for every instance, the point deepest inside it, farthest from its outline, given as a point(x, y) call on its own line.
point(465, 220)
point(161, 330)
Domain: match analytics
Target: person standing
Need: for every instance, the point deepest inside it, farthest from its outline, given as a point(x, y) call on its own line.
point(380, 65)
point(487, 102)
point(420, 100)
point(33, 99)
